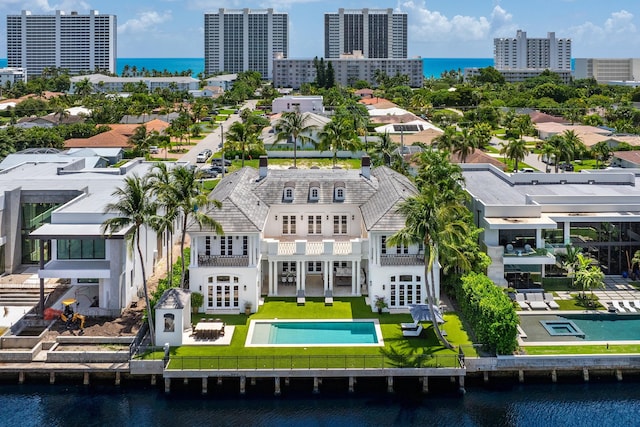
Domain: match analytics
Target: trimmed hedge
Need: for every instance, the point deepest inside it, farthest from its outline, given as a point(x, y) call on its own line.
point(490, 312)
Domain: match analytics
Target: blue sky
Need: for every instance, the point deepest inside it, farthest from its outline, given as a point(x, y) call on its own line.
point(437, 28)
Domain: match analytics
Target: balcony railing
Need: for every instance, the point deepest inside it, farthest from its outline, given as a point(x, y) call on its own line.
point(223, 261)
point(402, 259)
point(322, 247)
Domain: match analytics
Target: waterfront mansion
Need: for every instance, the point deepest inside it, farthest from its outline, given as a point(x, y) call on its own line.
point(306, 233)
point(529, 218)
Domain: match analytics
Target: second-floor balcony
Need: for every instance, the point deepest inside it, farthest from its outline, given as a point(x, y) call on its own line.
point(314, 247)
point(223, 261)
point(401, 259)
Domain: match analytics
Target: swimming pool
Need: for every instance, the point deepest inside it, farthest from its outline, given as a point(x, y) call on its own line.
point(595, 327)
point(314, 333)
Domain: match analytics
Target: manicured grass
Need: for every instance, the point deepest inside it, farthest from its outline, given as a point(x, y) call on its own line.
point(398, 350)
point(581, 349)
point(551, 284)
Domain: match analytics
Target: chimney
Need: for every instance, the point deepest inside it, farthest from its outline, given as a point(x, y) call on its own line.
point(366, 167)
point(263, 169)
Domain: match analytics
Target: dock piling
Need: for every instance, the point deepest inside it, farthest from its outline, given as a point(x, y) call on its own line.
point(205, 383)
point(277, 386)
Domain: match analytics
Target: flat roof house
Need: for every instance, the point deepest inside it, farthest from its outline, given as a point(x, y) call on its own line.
point(306, 232)
point(528, 218)
point(51, 214)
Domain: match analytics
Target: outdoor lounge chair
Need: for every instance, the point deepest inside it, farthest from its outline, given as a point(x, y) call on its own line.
point(551, 302)
point(412, 332)
point(636, 303)
point(409, 326)
point(520, 300)
point(627, 305)
point(536, 301)
point(619, 308)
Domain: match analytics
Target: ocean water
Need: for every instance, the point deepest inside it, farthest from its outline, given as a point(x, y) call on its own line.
point(433, 67)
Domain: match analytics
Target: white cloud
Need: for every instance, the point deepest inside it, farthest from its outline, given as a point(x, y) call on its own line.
point(619, 27)
point(144, 22)
point(430, 25)
point(45, 5)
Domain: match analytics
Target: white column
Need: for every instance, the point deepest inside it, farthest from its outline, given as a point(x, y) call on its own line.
point(354, 273)
point(330, 276)
point(275, 278)
point(299, 275)
point(358, 289)
point(567, 233)
point(270, 277)
point(539, 240)
point(194, 251)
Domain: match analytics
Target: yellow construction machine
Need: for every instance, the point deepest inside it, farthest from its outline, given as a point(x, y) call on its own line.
point(69, 316)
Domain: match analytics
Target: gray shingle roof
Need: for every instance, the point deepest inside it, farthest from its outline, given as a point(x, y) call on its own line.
point(246, 199)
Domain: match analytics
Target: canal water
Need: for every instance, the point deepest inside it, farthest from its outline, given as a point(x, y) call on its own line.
point(543, 404)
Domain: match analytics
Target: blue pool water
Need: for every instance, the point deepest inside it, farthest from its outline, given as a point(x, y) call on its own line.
point(314, 333)
point(608, 327)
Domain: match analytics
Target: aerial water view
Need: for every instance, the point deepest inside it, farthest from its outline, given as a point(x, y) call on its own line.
point(312, 214)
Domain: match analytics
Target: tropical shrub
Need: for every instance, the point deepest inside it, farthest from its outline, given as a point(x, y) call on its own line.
point(490, 312)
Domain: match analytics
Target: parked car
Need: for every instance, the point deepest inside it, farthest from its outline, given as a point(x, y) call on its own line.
point(218, 161)
point(567, 167)
point(154, 149)
point(526, 170)
point(203, 156)
point(209, 172)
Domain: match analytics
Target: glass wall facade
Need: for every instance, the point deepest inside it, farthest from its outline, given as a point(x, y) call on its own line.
point(33, 215)
point(81, 249)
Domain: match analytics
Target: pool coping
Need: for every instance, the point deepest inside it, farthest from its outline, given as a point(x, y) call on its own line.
point(252, 323)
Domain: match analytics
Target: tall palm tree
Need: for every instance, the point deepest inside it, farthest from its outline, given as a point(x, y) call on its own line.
point(293, 125)
point(134, 209)
point(338, 135)
point(440, 228)
point(190, 204)
point(516, 150)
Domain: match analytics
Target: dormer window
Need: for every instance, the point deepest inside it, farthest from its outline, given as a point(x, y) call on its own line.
point(339, 192)
point(314, 192)
point(289, 188)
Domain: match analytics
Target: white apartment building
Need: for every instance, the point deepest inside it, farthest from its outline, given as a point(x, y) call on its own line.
point(289, 72)
point(76, 42)
point(300, 103)
point(244, 40)
point(519, 75)
point(608, 70)
point(306, 233)
point(109, 84)
point(538, 53)
point(377, 33)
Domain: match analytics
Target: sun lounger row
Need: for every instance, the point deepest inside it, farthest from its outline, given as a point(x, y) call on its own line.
point(625, 306)
point(536, 301)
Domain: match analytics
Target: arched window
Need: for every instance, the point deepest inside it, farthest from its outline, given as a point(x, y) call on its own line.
point(169, 322)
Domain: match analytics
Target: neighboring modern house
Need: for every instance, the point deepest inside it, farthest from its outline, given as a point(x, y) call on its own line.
point(528, 218)
point(306, 233)
point(52, 155)
point(51, 217)
point(300, 103)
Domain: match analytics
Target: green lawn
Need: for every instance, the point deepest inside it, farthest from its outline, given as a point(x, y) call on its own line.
point(423, 351)
point(302, 163)
point(582, 349)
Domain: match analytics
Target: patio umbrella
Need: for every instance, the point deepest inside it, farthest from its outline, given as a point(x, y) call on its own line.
point(421, 313)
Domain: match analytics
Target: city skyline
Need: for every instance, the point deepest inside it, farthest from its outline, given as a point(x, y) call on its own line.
point(437, 28)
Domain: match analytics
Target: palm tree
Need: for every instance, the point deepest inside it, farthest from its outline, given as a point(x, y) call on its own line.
point(438, 226)
point(571, 261)
point(294, 125)
point(547, 152)
point(241, 135)
point(338, 135)
point(464, 144)
point(183, 195)
point(588, 276)
point(384, 148)
point(601, 151)
point(133, 209)
point(516, 150)
point(446, 140)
